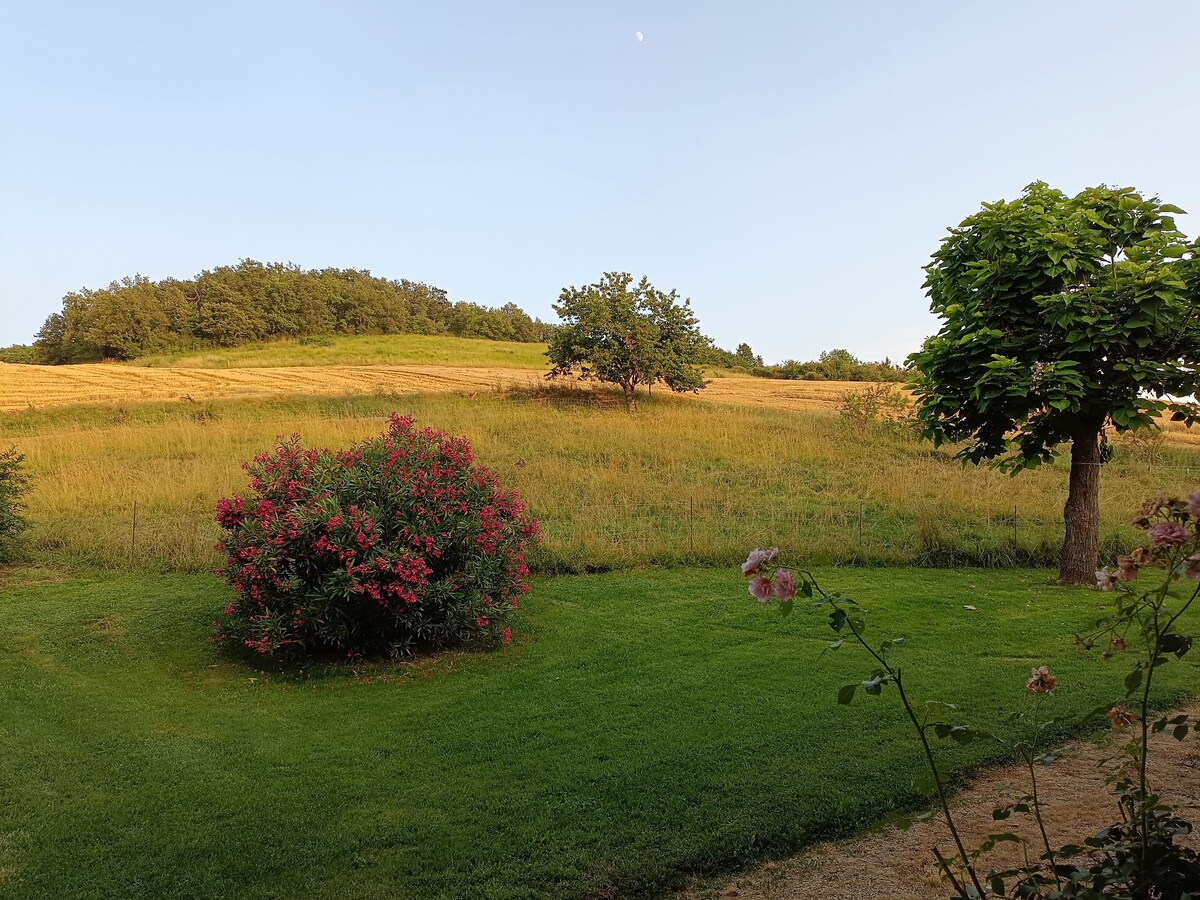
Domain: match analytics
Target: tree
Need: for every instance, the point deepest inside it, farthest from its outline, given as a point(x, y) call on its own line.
point(1061, 316)
point(627, 334)
point(748, 356)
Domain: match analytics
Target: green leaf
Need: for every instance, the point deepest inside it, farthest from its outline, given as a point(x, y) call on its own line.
point(785, 608)
point(1133, 679)
point(846, 693)
point(837, 645)
point(874, 685)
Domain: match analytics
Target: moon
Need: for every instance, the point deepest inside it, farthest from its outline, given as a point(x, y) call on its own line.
point(640, 37)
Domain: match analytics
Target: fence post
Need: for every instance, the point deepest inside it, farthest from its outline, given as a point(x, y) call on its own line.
point(133, 535)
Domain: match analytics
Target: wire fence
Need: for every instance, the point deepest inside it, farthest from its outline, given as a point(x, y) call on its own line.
point(981, 528)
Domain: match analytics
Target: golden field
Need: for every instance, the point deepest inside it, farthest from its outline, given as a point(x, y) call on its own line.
point(681, 480)
point(37, 387)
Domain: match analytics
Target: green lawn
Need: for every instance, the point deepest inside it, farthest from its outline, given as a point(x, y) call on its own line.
point(362, 350)
point(644, 726)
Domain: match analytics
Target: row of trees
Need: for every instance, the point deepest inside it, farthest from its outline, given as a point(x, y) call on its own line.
point(254, 301)
point(835, 365)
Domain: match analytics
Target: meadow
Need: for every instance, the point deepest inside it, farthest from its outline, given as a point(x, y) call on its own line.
point(642, 728)
point(649, 723)
point(681, 482)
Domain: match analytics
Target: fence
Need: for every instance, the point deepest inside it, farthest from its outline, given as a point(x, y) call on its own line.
point(984, 527)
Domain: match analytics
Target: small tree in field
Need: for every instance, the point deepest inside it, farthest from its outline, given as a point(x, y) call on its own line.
point(1060, 315)
point(627, 334)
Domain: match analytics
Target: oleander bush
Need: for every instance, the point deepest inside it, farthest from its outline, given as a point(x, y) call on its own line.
point(398, 544)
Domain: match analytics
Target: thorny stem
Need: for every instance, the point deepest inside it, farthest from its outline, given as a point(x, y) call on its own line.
point(1037, 807)
point(1143, 807)
point(920, 729)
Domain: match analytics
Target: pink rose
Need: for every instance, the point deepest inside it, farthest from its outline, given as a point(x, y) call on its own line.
point(757, 558)
point(1192, 569)
point(760, 588)
point(785, 585)
point(1104, 580)
point(1165, 534)
point(1193, 503)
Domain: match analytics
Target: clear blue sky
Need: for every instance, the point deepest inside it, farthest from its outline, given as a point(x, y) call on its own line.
point(788, 166)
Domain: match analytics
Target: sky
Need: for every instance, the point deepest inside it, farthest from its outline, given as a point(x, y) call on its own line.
point(788, 166)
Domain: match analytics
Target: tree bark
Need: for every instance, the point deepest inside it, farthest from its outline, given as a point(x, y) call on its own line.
point(1081, 515)
point(630, 399)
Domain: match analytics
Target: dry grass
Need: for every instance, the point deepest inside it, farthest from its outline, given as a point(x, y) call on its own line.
point(36, 387)
point(682, 480)
point(23, 387)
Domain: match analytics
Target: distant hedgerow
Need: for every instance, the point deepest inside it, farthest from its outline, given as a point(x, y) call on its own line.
point(397, 544)
point(13, 486)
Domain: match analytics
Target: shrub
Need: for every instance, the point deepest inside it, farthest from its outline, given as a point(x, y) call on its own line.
point(13, 486)
point(397, 544)
point(879, 402)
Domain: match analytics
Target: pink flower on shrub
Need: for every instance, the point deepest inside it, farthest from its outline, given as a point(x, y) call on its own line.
point(1104, 580)
point(760, 588)
point(785, 585)
point(1167, 534)
point(1193, 503)
point(1042, 681)
point(757, 558)
point(400, 534)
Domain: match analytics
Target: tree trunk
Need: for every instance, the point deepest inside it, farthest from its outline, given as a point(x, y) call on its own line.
point(1081, 515)
point(630, 400)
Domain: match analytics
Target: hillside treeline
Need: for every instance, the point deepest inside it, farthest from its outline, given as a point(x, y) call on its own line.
point(255, 301)
point(835, 365)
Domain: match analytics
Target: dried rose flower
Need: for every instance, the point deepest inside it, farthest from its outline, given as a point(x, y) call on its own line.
point(1119, 717)
point(1042, 681)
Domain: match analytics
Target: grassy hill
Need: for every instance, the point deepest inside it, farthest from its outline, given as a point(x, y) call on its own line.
point(361, 350)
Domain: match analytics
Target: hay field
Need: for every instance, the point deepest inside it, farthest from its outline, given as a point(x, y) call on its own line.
point(37, 387)
point(22, 387)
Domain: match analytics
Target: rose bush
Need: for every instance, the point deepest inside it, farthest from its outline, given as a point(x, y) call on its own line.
point(397, 544)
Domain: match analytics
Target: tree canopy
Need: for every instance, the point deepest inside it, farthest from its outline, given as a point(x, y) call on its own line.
point(1061, 316)
point(627, 334)
point(255, 301)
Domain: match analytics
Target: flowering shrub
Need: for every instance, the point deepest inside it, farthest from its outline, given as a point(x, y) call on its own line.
point(397, 544)
point(1138, 857)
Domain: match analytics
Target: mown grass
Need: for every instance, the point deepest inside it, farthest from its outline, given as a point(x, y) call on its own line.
point(644, 726)
point(361, 350)
point(679, 482)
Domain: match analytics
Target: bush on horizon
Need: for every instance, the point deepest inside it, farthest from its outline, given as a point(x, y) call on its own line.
point(398, 544)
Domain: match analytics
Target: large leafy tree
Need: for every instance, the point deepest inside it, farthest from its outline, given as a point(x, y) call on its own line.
point(627, 334)
point(1062, 316)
